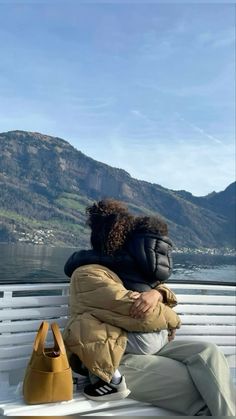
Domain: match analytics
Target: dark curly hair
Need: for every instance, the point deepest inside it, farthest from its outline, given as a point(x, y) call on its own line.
point(110, 224)
point(150, 224)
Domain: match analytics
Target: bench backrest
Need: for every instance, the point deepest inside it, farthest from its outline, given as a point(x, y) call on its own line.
point(207, 312)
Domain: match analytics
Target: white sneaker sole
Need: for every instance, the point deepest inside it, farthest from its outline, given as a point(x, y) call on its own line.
point(109, 397)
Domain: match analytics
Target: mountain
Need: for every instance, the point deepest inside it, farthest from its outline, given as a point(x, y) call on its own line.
point(46, 185)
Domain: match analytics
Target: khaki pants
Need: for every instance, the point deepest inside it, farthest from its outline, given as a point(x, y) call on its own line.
point(185, 376)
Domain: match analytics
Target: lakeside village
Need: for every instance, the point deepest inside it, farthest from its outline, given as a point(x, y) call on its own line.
point(45, 237)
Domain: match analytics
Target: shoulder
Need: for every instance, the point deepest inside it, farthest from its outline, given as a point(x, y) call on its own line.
point(78, 259)
point(82, 256)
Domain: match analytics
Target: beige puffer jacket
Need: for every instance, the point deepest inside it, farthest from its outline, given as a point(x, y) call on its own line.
point(99, 318)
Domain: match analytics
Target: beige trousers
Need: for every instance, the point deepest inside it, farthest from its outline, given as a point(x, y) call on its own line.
point(185, 376)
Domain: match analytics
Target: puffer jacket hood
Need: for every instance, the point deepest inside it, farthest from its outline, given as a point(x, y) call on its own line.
point(144, 262)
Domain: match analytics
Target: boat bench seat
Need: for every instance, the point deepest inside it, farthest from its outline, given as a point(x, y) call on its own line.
point(207, 313)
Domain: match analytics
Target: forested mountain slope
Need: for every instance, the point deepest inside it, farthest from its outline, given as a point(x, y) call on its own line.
point(46, 185)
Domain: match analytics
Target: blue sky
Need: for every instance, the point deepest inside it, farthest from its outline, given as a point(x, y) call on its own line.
point(144, 87)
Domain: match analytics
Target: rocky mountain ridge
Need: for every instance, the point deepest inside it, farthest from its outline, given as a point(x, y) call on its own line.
point(46, 185)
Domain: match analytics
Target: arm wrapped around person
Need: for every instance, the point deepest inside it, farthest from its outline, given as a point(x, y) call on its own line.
point(97, 291)
point(99, 319)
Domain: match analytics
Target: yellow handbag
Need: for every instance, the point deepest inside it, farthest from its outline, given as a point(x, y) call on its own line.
point(48, 376)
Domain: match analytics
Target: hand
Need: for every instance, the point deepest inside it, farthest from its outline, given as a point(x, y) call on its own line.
point(135, 295)
point(144, 303)
point(171, 334)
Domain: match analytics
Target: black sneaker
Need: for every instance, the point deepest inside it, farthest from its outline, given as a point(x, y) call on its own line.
point(107, 391)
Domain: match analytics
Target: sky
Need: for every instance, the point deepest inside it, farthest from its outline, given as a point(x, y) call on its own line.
point(145, 87)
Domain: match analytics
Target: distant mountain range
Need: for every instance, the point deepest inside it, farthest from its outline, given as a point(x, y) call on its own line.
point(46, 185)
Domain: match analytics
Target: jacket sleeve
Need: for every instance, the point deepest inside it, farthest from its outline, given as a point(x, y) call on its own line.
point(152, 254)
point(162, 318)
point(95, 291)
point(169, 297)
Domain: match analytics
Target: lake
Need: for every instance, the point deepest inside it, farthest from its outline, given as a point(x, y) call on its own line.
point(26, 263)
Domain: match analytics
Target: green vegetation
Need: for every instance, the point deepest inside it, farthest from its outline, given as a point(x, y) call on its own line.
point(41, 202)
point(12, 215)
point(139, 209)
point(15, 227)
point(76, 197)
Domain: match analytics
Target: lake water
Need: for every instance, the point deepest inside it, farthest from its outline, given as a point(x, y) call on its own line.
point(29, 264)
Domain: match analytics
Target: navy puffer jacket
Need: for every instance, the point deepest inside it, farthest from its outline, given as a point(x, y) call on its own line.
point(144, 262)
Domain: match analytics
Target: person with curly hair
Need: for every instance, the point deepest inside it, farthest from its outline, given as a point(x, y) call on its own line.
point(122, 326)
point(118, 240)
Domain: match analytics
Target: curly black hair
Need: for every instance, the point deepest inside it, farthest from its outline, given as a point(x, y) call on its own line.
point(111, 225)
point(150, 224)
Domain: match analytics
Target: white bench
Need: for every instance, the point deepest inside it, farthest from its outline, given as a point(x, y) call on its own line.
point(207, 313)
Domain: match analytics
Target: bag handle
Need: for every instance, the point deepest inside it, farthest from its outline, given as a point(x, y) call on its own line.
point(41, 337)
point(58, 337)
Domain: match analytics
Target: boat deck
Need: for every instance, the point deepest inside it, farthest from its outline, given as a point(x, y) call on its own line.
point(207, 313)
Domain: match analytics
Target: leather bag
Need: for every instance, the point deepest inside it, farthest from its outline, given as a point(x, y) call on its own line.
point(48, 376)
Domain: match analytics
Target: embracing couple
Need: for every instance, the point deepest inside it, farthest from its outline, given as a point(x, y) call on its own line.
point(122, 326)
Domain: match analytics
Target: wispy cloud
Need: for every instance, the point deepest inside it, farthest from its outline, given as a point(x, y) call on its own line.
point(143, 116)
point(110, 79)
point(85, 103)
point(197, 167)
point(156, 48)
point(200, 130)
point(216, 40)
point(221, 85)
point(137, 113)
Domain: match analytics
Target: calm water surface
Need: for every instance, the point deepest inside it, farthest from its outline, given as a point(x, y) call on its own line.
point(26, 263)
